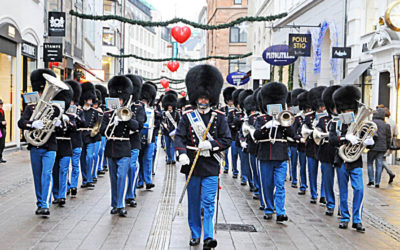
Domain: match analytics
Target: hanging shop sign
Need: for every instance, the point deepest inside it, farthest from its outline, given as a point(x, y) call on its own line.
point(174, 51)
point(56, 25)
point(278, 55)
point(52, 52)
point(28, 50)
point(235, 78)
point(341, 52)
point(300, 45)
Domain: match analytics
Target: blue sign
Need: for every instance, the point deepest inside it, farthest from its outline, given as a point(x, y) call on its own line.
point(235, 78)
point(278, 55)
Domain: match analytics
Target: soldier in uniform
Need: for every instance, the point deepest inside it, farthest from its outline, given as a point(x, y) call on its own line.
point(91, 116)
point(232, 114)
point(272, 150)
point(101, 161)
point(42, 157)
point(182, 102)
point(346, 100)
point(305, 108)
point(97, 106)
point(148, 96)
point(326, 151)
point(137, 109)
point(204, 83)
point(76, 136)
point(169, 123)
point(118, 146)
point(64, 148)
point(310, 121)
point(227, 94)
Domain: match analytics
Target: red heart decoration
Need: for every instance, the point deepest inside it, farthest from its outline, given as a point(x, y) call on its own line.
point(164, 83)
point(173, 66)
point(183, 93)
point(181, 34)
point(167, 89)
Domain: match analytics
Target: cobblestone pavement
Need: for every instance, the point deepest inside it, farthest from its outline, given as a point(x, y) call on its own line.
point(85, 221)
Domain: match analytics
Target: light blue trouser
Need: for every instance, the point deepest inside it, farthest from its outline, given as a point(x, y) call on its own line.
point(328, 173)
point(256, 176)
point(262, 199)
point(145, 164)
point(303, 170)
point(132, 174)
point(245, 166)
point(378, 158)
point(96, 158)
point(313, 176)
point(273, 175)
point(226, 160)
point(154, 154)
point(76, 155)
point(118, 178)
point(60, 173)
point(102, 161)
point(356, 177)
point(170, 148)
point(42, 162)
point(87, 163)
point(293, 163)
point(201, 194)
point(234, 155)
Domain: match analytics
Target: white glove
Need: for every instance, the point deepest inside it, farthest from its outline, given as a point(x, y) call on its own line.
point(37, 124)
point(352, 139)
point(243, 144)
point(369, 141)
point(184, 159)
point(271, 124)
point(116, 120)
point(65, 118)
point(205, 145)
point(58, 123)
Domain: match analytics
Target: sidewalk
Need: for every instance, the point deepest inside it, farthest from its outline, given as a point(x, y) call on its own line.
point(85, 222)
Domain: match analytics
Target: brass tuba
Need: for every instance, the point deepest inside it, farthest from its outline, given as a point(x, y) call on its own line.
point(362, 129)
point(44, 111)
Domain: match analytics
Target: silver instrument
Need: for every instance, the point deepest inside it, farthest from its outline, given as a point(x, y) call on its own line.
point(318, 135)
point(44, 111)
point(123, 113)
point(285, 118)
point(248, 129)
point(362, 128)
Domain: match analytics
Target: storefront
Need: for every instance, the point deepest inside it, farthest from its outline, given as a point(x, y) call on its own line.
point(9, 40)
point(29, 64)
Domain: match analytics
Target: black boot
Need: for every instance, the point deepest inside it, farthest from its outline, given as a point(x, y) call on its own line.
point(329, 212)
point(114, 210)
point(45, 212)
point(313, 201)
point(281, 218)
point(302, 192)
point(194, 242)
point(122, 212)
point(371, 183)
point(209, 243)
point(38, 211)
point(61, 202)
point(343, 225)
point(131, 202)
point(358, 227)
point(268, 217)
point(74, 191)
point(322, 200)
point(150, 186)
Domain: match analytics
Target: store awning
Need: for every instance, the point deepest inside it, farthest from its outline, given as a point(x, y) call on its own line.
point(83, 67)
point(356, 73)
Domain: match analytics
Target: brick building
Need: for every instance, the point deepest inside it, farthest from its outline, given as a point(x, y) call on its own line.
point(230, 41)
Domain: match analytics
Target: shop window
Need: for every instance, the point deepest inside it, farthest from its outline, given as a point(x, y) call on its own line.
point(237, 2)
point(108, 36)
point(238, 65)
point(366, 87)
point(7, 93)
point(237, 35)
point(109, 7)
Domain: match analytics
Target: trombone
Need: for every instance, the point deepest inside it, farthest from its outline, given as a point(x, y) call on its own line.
point(123, 113)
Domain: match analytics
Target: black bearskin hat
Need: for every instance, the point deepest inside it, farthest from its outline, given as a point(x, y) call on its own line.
point(103, 90)
point(121, 87)
point(149, 93)
point(137, 83)
point(204, 80)
point(170, 99)
point(289, 99)
point(346, 98)
point(65, 96)
point(294, 94)
point(99, 97)
point(227, 93)
point(235, 96)
point(88, 92)
point(302, 98)
point(182, 102)
point(327, 98)
point(249, 104)
point(315, 97)
point(37, 80)
point(243, 95)
point(76, 88)
point(273, 93)
point(256, 100)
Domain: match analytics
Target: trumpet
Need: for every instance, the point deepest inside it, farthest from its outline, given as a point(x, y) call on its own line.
point(123, 113)
point(44, 111)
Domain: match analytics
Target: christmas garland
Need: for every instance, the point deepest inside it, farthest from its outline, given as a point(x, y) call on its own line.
point(164, 77)
point(181, 59)
point(178, 20)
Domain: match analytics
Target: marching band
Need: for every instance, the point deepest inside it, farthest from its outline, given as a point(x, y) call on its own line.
point(97, 129)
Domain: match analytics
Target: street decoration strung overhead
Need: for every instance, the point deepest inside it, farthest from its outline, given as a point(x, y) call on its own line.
point(278, 55)
point(173, 66)
point(183, 93)
point(178, 20)
point(181, 34)
point(181, 59)
point(164, 83)
point(235, 78)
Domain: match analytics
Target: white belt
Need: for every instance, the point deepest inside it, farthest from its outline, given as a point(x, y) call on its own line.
point(63, 138)
point(192, 148)
point(118, 139)
point(270, 140)
point(85, 129)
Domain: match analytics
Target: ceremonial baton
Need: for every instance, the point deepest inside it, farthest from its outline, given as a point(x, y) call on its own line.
point(179, 207)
